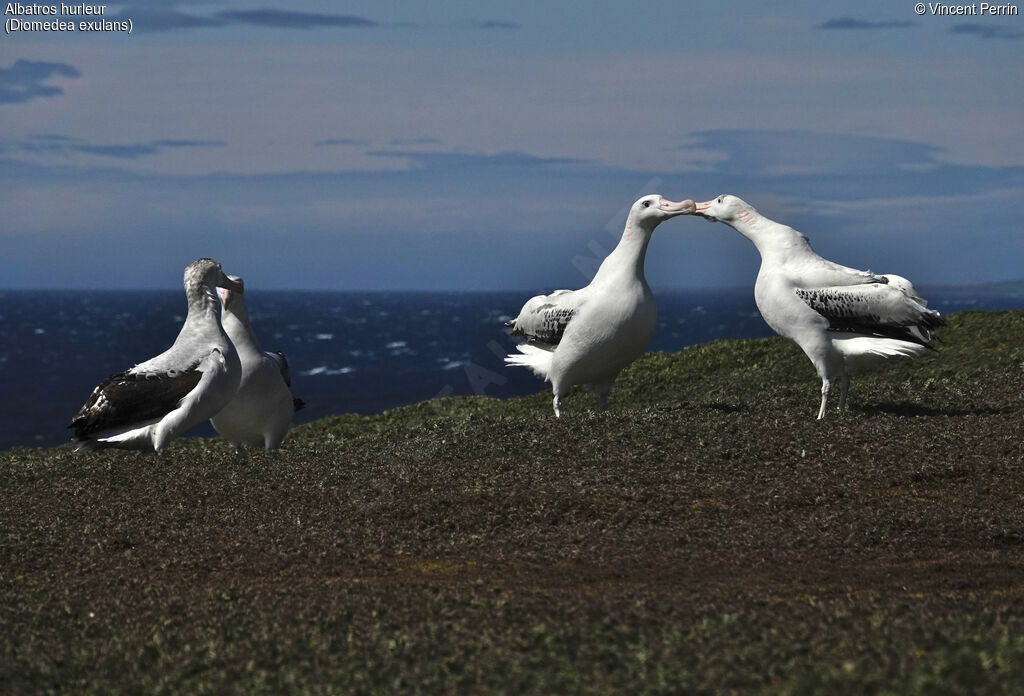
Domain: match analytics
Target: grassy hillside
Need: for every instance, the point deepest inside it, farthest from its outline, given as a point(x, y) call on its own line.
point(706, 535)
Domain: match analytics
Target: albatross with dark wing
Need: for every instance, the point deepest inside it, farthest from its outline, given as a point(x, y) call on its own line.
point(588, 336)
point(842, 318)
point(152, 403)
point(260, 415)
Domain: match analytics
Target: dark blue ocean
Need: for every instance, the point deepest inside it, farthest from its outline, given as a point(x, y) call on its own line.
point(349, 352)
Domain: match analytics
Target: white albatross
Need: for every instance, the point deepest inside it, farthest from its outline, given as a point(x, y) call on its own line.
point(152, 403)
point(588, 336)
point(843, 319)
point(260, 414)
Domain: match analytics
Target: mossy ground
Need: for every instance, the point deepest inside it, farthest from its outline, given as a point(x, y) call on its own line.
point(705, 535)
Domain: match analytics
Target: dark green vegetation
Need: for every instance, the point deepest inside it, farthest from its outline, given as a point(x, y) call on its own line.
point(706, 535)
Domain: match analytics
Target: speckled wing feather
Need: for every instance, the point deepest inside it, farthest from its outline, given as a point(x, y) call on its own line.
point(128, 397)
point(875, 309)
point(544, 318)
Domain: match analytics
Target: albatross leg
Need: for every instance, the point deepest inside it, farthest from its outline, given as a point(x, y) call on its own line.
point(602, 391)
point(824, 396)
point(844, 388)
point(557, 403)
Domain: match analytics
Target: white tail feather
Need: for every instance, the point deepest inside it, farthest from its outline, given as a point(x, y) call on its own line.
point(861, 351)
point(537, 359)
point(135, 436)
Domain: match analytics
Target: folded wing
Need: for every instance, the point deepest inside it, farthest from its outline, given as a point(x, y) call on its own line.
point(282, 364)
point(544, 318)
point(129, 397)
point(875, 309)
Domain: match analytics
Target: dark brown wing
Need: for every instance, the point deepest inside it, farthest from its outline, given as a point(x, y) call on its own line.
point(126, 398)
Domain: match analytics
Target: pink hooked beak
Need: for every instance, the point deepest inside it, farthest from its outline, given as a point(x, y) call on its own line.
point(228, 286)
point(701, 207)
point(682, 208)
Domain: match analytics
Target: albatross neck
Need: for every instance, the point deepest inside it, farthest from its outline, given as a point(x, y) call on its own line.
point(626, 262)
point(771, 239)
point(202, 303)
point(239, 330)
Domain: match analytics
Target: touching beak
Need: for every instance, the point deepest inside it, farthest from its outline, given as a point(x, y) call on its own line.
point(232, 283)
point(672, 209)
point(700, 208)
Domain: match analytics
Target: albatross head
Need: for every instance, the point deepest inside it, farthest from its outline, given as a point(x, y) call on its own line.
point(206, 274)
point(725, 208)
point(651, 210)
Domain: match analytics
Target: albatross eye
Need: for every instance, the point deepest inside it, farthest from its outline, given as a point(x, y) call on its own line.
point(647, 204)
point(719, 199)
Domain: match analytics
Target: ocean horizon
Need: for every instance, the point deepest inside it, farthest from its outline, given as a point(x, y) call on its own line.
point(350, 351)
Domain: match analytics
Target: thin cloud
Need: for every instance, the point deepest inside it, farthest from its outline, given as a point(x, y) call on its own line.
point(26, 80)
point(852, 23)
point(43, 143)
point(774, 153)
point(64, 145)
point(284, 19)
point(334, 142)
point(188, 143)
point(837, 167)
point(165, 16)
point(495, 24)
point(466, 161)
point(118, 151)
point(136, 150)
point(146, 19)
point(987, 31)
point(405, 142)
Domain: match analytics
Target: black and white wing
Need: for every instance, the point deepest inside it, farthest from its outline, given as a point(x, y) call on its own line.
point(130, 398)
point(544, 318)
point(876, 309)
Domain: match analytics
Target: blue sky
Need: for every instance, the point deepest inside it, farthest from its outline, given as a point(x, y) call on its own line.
point(494, 145)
